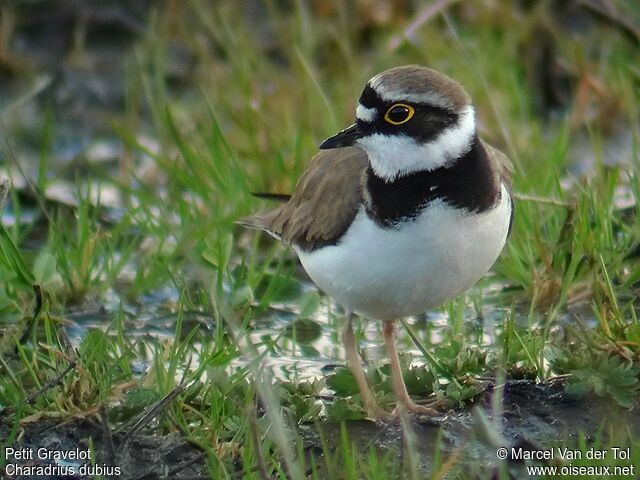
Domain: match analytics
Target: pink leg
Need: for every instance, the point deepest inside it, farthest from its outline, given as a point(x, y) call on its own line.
point(404, 401)
point(353, 360)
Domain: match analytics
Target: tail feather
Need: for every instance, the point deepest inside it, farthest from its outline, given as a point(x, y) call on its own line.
point(258, 222)
point(265, 221)
point(278, 197)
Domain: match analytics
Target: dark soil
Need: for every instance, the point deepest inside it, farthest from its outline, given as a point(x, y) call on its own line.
point(145, 456)
point(534, 416)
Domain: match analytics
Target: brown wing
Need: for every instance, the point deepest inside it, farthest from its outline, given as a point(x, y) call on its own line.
point(501, 162)
point(505, 168)
point(324, 203)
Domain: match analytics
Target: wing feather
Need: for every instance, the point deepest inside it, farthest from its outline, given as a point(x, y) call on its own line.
point(324, 203)
point(501, 162)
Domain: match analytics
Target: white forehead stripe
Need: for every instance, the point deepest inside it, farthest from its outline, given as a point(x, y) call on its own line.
point(392, 156)
point(429, 98)
point(396, 95)
point(365, 114)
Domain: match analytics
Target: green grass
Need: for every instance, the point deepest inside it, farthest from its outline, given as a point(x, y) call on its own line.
point(257, 104)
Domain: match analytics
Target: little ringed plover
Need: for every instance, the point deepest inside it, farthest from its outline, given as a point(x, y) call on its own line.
point(400, 212)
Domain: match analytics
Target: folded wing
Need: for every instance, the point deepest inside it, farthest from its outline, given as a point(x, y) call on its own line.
point(325, 202)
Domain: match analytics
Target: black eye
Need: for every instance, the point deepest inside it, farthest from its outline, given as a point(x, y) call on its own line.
point(399, 113)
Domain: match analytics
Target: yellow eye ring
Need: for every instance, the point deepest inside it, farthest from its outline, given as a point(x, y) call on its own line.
point(408, 111)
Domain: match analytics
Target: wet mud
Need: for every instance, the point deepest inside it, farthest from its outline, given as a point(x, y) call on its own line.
point(533, 416)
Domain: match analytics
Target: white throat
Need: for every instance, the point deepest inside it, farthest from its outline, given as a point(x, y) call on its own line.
point(393, 156)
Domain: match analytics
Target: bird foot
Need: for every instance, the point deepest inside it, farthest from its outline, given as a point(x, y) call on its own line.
point(417, 409)
point(425, 414)
point(378, 414)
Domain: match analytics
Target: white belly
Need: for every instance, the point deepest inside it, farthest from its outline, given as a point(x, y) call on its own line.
point(389, 273)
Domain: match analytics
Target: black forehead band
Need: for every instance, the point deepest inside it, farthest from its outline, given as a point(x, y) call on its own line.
point(371, 99)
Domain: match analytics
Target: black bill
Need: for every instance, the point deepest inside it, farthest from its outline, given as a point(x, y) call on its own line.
point(345, 138)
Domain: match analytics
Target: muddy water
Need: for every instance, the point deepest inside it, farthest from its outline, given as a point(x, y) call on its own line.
point(531, 415)
point(318, 344)
point(532, 419)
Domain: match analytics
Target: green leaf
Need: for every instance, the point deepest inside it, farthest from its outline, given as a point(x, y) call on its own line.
point(218, 252)
point(10, 256)
point(135, 401)
point(342, 382)
point(342, 409)
point(607, 377)
point(279, 288)
point(418, 380)
point(242, 296)
point(309, 304)
point(304, 408)
point(577, 388)
point(45, 272)
point(460, 392)
point(210, 255)
point(303, 330)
